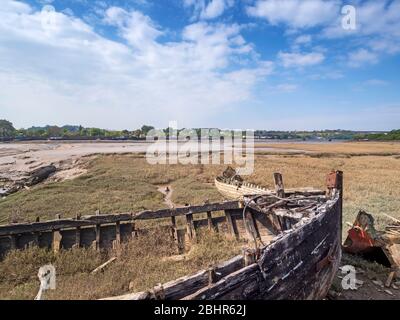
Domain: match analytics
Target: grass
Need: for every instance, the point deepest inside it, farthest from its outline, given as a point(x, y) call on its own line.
point(141, 264)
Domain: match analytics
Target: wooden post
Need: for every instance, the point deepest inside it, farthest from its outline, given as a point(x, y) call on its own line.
point(190, 227)
point(14, 242)
point(173, 228)
point(334, 183)
point(78, 233)
point(212, 276)
point(211, 225)
point(340, 189)
point(97, 241)
point(36, 239)
point(231, 225)
point(134, 232)
point(98, 231)
point(251, 225)
point(249, 257)
point(57, 237)
point(279, 189)
point(117, 234)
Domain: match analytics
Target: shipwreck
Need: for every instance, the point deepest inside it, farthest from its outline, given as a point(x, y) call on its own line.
point(293, 242)
point(294, 251)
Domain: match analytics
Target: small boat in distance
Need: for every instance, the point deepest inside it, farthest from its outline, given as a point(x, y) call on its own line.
point(232, 186)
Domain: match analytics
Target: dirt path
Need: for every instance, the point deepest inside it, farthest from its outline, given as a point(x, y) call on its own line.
point(167, 192)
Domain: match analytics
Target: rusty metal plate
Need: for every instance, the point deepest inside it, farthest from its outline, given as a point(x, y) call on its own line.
point(332, 180)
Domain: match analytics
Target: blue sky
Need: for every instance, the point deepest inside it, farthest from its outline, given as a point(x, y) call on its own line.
point(248, 64)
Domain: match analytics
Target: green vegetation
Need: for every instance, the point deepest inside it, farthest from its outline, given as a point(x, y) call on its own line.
point(72, 132)
point(386, 136)
point(308, 135)
point(7, 130)
point(79, 132)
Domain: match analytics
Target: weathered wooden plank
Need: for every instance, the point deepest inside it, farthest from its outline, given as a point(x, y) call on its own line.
point(211, 225)
point(62, 224)
point(190, 229)
point(227, 284)
point(92, 220)
point(14, 242)
point(184, 286)
point(294, 238)
point(98, 237)
point(166, 213)
point(233, 230)
point(279, 189)
point(251, 226)
point(78, 234)
point(57, 238)
point(117, 241)
point(105, 264)
point(249, 282)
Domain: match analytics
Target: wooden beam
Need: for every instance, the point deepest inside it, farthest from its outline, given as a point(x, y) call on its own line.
point(212, 276)
point(105, 264)
point(191, 231)
point(166, 213)
point(14, 242)
point(231, 224)
point(78, 233)
point(98, 235)
point(251, 225)
point(62, 224)
point(93, 220)
point(57, 238)
point(117, 235)
point(211, 225)
point(279, 188)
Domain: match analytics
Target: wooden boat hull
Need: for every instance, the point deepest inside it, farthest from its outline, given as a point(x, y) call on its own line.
point(300, 265)
point(231, 191)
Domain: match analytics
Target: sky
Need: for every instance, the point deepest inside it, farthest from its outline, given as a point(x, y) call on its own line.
point(239, 64)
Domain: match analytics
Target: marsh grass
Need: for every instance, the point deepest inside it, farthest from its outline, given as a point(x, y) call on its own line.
point(141, 264)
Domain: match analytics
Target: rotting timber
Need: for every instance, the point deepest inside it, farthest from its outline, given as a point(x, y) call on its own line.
point(294, 242)
point(294, 250)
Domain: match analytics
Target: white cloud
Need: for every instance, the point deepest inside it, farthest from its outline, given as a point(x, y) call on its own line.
point(300, 59)
point(295, 13)
point(360, 57)
point(70, 74)
point(303, 39)
point(134, 26)
point(207, 10)
point(377, 27)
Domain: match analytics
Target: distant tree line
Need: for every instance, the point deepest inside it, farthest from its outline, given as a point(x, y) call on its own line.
point(306, 135)
point(385, 136)
point(72, 132)
point(8, 132)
